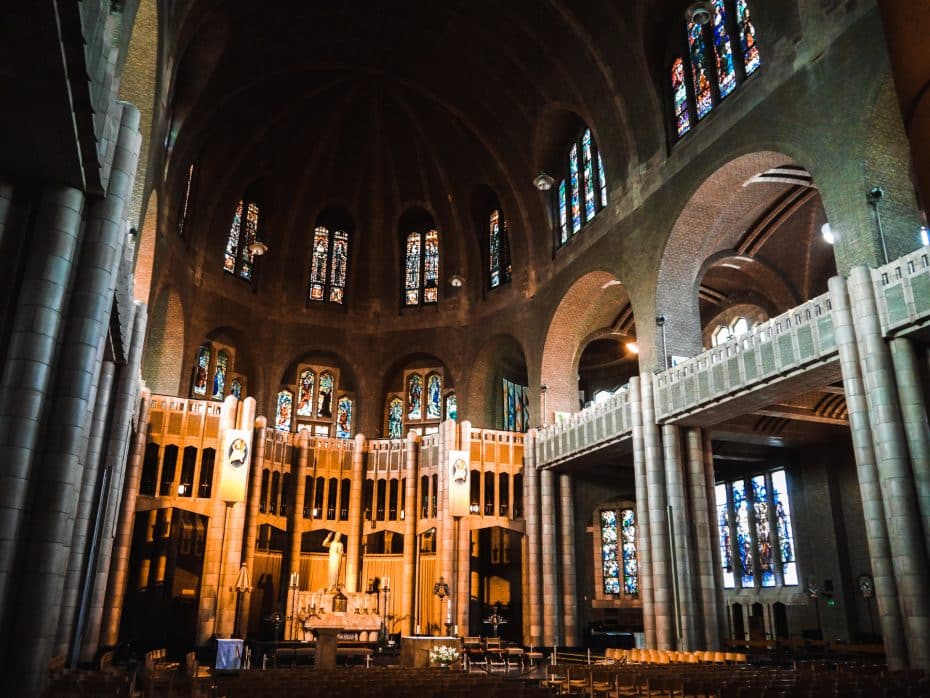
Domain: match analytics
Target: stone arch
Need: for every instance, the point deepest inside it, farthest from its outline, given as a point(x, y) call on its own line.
point(502, 356)
point(163, 366)
point(145, 250)
point(576, 318)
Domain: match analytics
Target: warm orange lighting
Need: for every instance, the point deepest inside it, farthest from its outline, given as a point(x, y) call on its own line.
point(632, 347)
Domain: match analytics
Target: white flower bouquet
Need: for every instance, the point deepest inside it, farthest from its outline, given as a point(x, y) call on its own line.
point(443, 655)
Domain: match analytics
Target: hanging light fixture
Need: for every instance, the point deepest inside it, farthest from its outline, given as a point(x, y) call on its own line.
point(257, 248)
point(543, 181)
point(456, 281)
point(699, 12)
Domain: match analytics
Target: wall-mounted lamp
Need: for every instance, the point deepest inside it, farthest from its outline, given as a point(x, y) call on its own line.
point(543, 181)
point(827, 233)
point(456, 281)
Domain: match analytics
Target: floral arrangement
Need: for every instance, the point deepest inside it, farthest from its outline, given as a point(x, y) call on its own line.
point(443, 654)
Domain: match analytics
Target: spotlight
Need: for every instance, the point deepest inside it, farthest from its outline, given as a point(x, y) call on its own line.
point(924, 236)
point(827, 234)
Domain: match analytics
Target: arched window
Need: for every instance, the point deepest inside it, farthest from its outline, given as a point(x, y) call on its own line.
point(282, 415)
point(499, 267)
point(420, 242)
point(395, 418)
point(235, 388)
point(329, 262)
point(325, 399)
point(305, 382)
point(452, 406)
point(243, 233)
point(414, 396)
point(618, 552)
point(434, 396)
point(582, 191)
point(720, 335)
point(219, 375)
point(712, 64)
point(344, 419)
point(202, 370)
point(184, 215)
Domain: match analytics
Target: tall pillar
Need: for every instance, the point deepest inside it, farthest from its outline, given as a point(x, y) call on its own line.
point(533, 542)
point(445, 524)
point(569, 582)
point(642, 513)
point(250, 527)
point(119, 565)
point(356, 515)
point(722, 618)
point(873, 509)
point(28, 370)
point(294, 521)
point(663, 607)
point(680, 547)
point(914, 411)
point(463, 547)
point(551, 606)
point(908, 548)
point(706, 614)
point(408, 602)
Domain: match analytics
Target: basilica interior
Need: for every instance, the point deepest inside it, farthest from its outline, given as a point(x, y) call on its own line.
point(571, 325)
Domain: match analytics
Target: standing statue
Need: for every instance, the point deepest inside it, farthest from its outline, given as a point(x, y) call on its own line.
point(334, 543)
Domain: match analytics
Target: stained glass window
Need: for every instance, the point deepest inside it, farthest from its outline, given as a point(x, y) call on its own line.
point(219, 375)
point(324, 400)
point(414, 396)
point(603, 178)
point(282, 414)
point(743, 533)
point(235, 388)
point(337, 279)
point(494, 248)
point(318, 263)
point(431, 267)
point(576, 188)
point(395, 418)
point(726, 75)
point(766, 556)
point(700, 70)
point(789, 565)
point(433, 396)
point(751, 58)
point(628, 541)
point(723, 529)
point(590, 202)
point(412, 270)
point(202, 370)
point(344, 418)
point(452, 406)
point(186, 201)
point(305, 382)
point(250, 235)
point(243, 231)
point(563, 214)
point(680, 96)
point(611, 564)
point(232, 241)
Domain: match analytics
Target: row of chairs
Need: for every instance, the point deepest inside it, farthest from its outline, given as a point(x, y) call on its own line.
point(653, 656)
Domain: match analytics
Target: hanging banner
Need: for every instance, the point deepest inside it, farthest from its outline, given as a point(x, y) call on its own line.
point(459, 486)
point(234, 474)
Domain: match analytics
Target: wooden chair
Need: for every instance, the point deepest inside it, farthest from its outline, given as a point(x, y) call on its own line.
point(556, 678)
point(604, 683)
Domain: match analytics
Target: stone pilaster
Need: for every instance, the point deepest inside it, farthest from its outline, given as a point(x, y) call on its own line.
point(704, 534)
point(551, 602)
point(411, 512)
point(294, 521)
point(533, 544)
point(680, 547)
point(569, 581)
point(643, 559)
point(356, 515)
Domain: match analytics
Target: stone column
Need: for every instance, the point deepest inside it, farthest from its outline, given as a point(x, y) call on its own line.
point(642, 513)
point(722, 619)
point(356, 515)
point(551, 606)
point(569, 582)
point(914, 411)
point(408, 602)
point(444, 522)
point(707, 630)
point(663, 606)
point(533, 561)
point(905, 537)
point(463, 546)
point(250, 527)
point(119, 566)
point(681, 519)
point(294, 521)
point(29, 366)
point(873, 509)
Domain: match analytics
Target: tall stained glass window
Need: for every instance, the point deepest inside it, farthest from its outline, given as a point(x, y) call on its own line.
point(609, 557)
point(590, 188)
point(726, 75)
point(764, 551)
point(603, 179)
point(498, 250)
point(232, 240)
point(723, 530)
point(452, 406)
point(789, 565)
point(414, 396)
point(319, 263)
point(563, 214)
point(282, 414)
point(412, 270)
point(219, 375)
point(576, 188)
point(743, 533)
point(235, 388)
point(329, 261)
point(325, 398)
point(628, 542)
point(395, 418)
point(700, 70)
point(243, 231)
point(305, 382)
point(431, 267)
point(186, 200)
point(344, 418)
point(680, 96)
point(202, 371)
point(433, 396)
point(747, 32)
point(340, 266)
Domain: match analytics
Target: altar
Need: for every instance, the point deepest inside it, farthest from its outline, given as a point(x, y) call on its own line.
point(311, 611)
point(414, 649)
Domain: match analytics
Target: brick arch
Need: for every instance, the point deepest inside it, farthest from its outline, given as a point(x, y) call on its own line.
point(590, 304)
point(712, 219)
point(163, 365)
point(145, 257)
point(500, 354)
